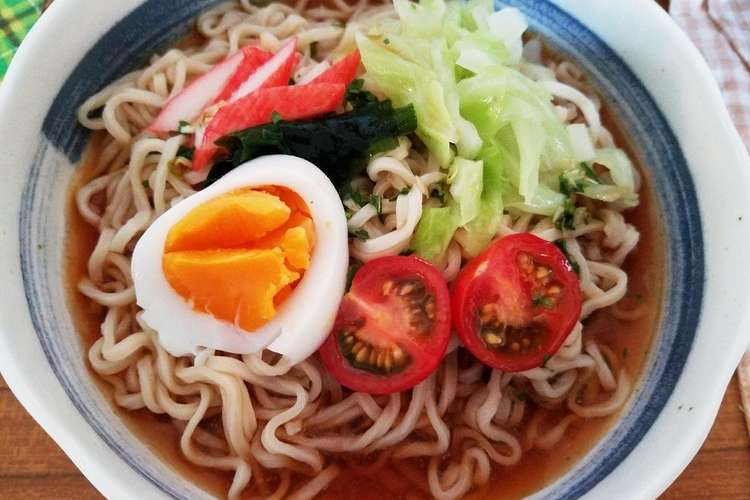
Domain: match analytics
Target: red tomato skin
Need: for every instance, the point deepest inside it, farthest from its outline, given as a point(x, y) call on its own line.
point(343, 71)
point(425, 358)
point(291, 103)
point(503, 253)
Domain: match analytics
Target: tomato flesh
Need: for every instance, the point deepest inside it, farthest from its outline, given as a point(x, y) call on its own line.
point(392, 327)
point(515, 304)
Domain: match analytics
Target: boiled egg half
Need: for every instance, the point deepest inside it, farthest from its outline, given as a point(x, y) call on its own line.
point(256, 260)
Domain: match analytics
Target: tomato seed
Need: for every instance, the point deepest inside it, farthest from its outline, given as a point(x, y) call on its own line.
point(494, 339)
point(542, 271)
point(362, 355)
point(388, 362)
point(525, 262)
point(381, 360)
point(397, 353)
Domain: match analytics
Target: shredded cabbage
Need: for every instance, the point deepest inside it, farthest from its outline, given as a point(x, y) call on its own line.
point(465, 181)
point(405, 82)
point(485, 120)
point(480, 231)
point(434, 232)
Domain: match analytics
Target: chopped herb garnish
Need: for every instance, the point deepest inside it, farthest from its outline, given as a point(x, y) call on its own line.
point(569, 187)
point(146, 184)
point(182, 125)
point(351, 273)
point(438, 192)
point(566, 219)
point(314, 50)
point(359, 198)
point(541, 300)
point(571, 182)
point(360, 234)
point(275, 117)
point(376, 202)
point(546, 358)
point(386, 41)
point(575, 266)
point(564, 249)
point(404, 190)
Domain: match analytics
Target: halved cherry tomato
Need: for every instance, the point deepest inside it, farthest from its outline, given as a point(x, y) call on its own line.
point(392, 328)
point(514, 304)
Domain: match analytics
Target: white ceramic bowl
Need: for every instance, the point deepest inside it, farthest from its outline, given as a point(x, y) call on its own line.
point(661, 90)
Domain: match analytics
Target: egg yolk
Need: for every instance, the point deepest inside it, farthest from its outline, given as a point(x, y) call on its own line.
point(240, 255)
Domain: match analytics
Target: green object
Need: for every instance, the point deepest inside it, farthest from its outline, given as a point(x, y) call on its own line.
point(434, 233)
point(465, 179)
point(481, 230)
point(338, 144)
point(16, 19)
point(407, 82)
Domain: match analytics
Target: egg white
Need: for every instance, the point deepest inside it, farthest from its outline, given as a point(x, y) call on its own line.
point(303, 321)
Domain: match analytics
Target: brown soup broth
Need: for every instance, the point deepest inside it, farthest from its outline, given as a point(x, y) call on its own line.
point(629, 340)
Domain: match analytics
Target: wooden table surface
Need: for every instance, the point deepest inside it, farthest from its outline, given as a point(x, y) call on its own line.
point(32, 466)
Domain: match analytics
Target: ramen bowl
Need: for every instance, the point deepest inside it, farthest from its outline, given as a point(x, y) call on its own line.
point(654, 81)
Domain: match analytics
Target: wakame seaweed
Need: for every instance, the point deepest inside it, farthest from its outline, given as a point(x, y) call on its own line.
point(338, 144)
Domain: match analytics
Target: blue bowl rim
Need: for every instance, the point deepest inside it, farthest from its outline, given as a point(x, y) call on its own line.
point(685, 257)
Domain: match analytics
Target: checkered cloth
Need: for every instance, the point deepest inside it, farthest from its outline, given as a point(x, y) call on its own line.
point(721, 30)
point(16, 19)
